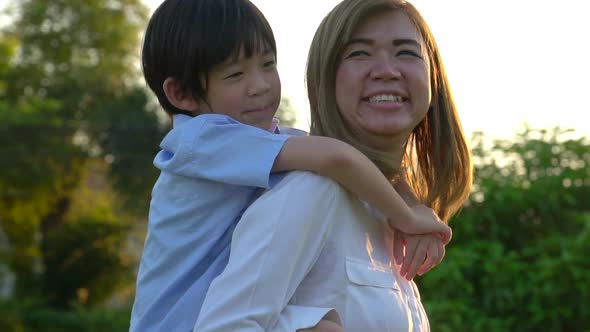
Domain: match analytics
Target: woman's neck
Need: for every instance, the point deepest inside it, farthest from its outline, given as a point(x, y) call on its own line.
point(395, 149)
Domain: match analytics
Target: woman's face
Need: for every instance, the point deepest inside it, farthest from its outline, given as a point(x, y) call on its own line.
point(383, 80)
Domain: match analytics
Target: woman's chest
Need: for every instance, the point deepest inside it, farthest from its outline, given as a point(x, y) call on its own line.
point(354, 274)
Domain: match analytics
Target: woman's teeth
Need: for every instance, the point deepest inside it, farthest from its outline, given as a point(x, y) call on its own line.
point(385, 98)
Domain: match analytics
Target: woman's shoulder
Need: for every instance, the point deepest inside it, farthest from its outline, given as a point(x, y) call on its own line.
point(303, 180)
point(306, 188)
point(303, 199)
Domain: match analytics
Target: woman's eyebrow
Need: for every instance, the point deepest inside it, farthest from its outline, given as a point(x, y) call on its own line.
point(366, 41)
point(399, 42)
point(395, 42)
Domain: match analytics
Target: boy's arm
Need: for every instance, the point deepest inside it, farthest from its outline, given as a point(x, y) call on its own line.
point(355, 172)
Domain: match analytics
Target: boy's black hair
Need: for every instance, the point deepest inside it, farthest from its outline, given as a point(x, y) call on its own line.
point(185, 39)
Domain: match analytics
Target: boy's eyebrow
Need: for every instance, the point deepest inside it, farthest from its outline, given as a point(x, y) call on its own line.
point(236, 58)
point(395, 42)
point(232, 60)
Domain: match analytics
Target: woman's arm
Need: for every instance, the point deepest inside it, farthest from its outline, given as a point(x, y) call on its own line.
point(275, 244)
point(354, 171)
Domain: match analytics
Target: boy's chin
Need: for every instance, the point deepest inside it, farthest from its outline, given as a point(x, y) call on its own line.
point(257, 120)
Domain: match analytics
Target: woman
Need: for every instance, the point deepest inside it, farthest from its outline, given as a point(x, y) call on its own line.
point(375, 80)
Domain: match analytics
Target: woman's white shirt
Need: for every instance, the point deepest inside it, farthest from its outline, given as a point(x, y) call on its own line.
point(302, 248)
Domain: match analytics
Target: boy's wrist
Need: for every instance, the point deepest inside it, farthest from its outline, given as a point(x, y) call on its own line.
point(408, 221)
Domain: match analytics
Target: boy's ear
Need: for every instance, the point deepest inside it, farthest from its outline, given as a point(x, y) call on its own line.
point(178, 97)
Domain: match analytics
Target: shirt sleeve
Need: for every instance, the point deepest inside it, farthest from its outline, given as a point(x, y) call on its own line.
point(293, 131)
point(274, 246)
point(295, 317)
point(219, 148)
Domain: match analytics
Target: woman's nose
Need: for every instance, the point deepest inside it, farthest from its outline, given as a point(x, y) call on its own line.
point(385, 68)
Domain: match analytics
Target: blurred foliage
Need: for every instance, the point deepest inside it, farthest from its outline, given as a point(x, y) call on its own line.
point(286, 113)
point(79, 133)
point(518, 260)
point(21, 316)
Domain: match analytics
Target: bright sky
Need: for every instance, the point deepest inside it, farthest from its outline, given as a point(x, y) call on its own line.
point(509, 61)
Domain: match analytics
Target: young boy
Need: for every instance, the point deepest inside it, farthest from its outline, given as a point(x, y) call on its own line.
point(212, 65)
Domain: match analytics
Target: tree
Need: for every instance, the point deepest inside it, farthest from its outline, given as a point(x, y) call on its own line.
point(286, 113)
point(518, 260)
point(74, 105)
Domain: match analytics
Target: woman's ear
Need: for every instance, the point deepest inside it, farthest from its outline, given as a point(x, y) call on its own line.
point(178, 97)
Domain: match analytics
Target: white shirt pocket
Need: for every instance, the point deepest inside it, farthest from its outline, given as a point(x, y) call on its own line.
point(367, 273)
point(375, 301)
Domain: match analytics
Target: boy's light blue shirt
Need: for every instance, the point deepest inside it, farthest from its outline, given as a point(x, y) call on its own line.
point(212, 168)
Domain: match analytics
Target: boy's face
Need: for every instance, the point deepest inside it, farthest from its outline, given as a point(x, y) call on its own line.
point(246, 89)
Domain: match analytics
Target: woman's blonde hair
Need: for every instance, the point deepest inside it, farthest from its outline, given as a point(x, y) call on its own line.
point(437, 160)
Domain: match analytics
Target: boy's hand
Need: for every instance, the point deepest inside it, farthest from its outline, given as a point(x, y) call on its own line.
point(427, 221)
point(422, 253)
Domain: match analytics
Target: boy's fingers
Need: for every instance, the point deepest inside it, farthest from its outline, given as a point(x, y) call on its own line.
point(441, 252)
point(432, 255)
point(447, 234)
point(417, 260)
point(436, 253)
point(410, 253)
point(398, 247)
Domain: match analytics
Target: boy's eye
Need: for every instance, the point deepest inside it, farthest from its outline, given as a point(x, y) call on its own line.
point(357, 53)
point(410, 53)
point(234, 75)
point(269, 64)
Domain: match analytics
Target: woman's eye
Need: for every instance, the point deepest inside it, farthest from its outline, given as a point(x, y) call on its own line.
point(357, 53)
point(411, 53)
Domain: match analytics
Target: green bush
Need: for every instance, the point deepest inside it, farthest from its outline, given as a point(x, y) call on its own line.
point(518, 260)
point(32, 316)
point(50, 320)
point(85, 263)
point(10, 319)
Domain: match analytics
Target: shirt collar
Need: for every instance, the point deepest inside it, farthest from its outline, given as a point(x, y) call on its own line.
point(179, 119)
point(274, 126)
point(182, 118)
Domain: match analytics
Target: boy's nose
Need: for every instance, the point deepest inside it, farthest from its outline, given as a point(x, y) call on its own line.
point(259, 85)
